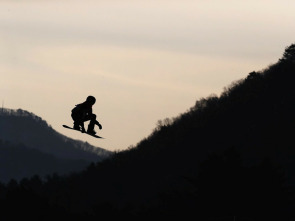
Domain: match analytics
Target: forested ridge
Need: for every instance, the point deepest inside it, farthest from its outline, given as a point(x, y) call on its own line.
point(229, 157)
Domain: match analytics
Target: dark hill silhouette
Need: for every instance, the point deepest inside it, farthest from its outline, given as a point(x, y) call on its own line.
point(227, 158)
point(18, 162)
point(22, 127)
point(29, 146)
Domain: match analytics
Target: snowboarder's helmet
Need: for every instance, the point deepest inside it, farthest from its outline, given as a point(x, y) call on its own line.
point(91, 99)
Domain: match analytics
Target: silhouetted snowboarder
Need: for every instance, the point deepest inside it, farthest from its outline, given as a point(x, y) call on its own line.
point(83, 112)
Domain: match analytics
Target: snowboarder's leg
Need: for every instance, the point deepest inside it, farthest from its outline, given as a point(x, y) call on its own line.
point(76, 125)
point(92, 124)
point(78, 122)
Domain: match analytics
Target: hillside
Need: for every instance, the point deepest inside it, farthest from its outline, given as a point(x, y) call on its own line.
point(18, 162)
point(227, 158)
point(21, 127)
point(29, 146)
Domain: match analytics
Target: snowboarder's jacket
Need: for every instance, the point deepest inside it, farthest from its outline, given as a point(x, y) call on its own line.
point(83, 109)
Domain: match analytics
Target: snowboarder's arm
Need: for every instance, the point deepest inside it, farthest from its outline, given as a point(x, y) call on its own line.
point(98, 124)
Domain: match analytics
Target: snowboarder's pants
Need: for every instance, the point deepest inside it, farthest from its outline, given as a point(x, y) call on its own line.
point(80, 119)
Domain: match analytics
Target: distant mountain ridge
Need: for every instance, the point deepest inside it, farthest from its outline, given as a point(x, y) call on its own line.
point(29, 146)
point(19, 162)
point(22, 127)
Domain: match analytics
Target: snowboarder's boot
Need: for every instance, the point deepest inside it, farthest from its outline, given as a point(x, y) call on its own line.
point(76, 126)
point(79, 126)
point(90, 129)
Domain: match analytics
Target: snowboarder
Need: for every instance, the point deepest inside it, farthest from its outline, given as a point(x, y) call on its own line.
point(83, 112)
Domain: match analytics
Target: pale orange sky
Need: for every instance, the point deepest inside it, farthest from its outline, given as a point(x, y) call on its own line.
point(143, 60)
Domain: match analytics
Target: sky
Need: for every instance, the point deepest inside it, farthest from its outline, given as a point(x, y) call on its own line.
point(143, 60)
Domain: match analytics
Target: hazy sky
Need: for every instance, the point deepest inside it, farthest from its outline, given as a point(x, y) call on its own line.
point(144, 60)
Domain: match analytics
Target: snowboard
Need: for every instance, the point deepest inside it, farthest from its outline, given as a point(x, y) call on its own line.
point(93, 135)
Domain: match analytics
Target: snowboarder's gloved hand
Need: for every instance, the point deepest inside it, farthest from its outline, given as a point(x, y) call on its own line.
point(98, 124)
